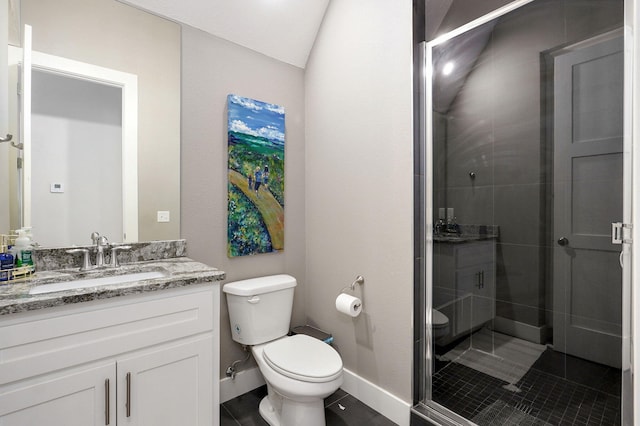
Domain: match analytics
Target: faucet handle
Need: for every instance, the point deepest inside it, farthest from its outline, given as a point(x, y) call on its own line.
point(114, 254)
point(94, 237)
point(86, 264)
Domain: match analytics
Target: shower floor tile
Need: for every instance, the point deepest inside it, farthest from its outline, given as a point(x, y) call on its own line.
point(590, 374)
point(545, 397)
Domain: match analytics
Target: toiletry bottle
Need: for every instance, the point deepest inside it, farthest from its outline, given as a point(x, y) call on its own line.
point(29, 235)
point(6, 264)
point(23, 250)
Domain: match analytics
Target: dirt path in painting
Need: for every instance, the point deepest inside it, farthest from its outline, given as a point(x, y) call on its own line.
point(271, 211)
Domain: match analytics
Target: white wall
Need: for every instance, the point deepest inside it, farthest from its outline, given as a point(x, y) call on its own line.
point(77, 142)
point(359, 185)
point(211, 69)
point(349, 177)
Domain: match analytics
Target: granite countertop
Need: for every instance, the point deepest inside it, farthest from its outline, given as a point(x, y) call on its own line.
point(180, 272)
point(461, 238)
point(468, 233)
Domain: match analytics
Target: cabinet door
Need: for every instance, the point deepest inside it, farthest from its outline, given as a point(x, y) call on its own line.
point(484, 296)
point(167, 386)
point(479, 283)
point(81, 397)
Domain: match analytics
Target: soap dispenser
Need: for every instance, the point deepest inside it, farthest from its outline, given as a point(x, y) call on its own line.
point(23, 250)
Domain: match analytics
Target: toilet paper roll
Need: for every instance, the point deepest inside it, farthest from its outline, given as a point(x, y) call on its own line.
point(348, 305)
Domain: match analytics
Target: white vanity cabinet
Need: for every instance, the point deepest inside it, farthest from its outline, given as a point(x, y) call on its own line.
point(149, 359)
point(77, 397)
point(166, 386)
point(464, 277)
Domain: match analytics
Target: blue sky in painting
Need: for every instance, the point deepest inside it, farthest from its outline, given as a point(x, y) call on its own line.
point(256, 118)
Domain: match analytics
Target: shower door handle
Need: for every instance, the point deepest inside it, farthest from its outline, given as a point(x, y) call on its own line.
point(563, 241)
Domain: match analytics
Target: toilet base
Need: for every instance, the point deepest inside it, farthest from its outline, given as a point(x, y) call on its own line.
point(268, 413)
point(293, 413)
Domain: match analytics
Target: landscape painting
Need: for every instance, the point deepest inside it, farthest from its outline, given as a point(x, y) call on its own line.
point(255, 132)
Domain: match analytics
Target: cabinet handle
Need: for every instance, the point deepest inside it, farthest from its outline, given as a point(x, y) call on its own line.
point(128, 404)
point(481, 279)
point(106, 402)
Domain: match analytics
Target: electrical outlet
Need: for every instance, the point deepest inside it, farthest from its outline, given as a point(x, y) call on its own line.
point(163, 216)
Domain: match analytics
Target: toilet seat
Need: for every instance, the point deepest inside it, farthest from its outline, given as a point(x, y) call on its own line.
point(438, 319)
point(303, 358)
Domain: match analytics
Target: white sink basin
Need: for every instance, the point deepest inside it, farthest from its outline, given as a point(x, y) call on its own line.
point(96, 282)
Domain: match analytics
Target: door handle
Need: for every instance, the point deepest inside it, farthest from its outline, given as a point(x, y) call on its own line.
point(563, 241)
point(106, 402)
point(128, 401)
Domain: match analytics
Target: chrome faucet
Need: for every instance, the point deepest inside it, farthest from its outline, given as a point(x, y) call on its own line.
point(101, 242)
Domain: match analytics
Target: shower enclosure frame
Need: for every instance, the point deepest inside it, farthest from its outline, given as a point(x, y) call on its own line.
point(423, 352)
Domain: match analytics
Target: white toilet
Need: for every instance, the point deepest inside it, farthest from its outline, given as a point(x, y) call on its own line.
point(300, 371)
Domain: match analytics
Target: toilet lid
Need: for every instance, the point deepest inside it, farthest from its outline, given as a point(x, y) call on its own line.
point(304, 358)
point(438, 318)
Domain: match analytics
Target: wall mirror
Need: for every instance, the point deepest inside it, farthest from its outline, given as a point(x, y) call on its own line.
point(105, 35)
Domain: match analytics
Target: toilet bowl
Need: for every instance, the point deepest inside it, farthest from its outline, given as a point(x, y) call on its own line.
point(439, 324)
point(300, 370)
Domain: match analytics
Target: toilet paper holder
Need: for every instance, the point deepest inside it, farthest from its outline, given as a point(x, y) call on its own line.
point(359, 281)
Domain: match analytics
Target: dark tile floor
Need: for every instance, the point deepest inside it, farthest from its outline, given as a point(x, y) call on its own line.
point(341, 409)
point(557, 390)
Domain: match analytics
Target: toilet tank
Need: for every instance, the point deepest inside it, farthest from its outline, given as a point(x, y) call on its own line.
point(260, 308)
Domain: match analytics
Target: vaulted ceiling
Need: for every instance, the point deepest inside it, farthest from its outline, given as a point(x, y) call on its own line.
point(282, 29)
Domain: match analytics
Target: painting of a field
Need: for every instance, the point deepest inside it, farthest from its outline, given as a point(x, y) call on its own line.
point(255, 137)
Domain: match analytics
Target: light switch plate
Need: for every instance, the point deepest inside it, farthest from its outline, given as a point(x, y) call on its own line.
point(163, 216)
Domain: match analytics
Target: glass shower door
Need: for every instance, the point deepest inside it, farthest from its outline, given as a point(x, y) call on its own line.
point(527, 160)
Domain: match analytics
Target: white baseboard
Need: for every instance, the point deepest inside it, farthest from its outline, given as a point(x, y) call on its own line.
point(366, 392)
point(385, 403)
point(245, 381)
point(521, 330)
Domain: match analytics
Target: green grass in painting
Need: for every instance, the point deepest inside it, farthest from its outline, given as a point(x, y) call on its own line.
point(247, 233)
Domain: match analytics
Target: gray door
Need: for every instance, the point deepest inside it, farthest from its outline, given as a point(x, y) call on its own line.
point(588, 137)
